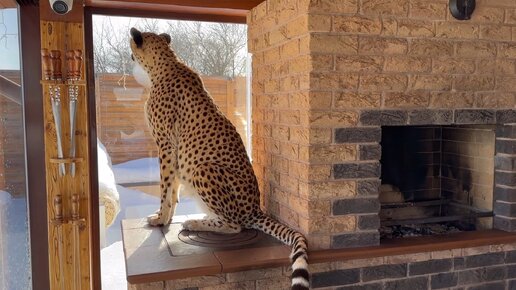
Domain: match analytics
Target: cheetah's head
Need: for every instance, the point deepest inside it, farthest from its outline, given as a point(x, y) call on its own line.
point(149, 49)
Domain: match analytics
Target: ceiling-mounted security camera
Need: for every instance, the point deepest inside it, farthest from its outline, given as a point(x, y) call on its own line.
point(61, 6)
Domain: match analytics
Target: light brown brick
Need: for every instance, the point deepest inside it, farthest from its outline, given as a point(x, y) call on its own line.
point(332, 6)
point(453, 66)
point(319, 172)
point(407, 100)
point(497, 3)
point(495, 100)
point(332, 189)
point(289, 150)
point(359, 63)
point(497, 66)
point(332, 153)
point(279, 283)
point(289, 49)
point(300, 65)
point(420, 9)
point(289, 117)
point(248, 285)
point(495, 32)
point(431, 47)
point(286, 10)
point(485, 14)
point(272, 55)
point(288, 84)
point(289, 217)
point(451, 100)
point(407, 64)
point(278, 35)
point(332, 225)
point(320, 136)
point(510, 16)
point(353, 100)
point(319, 207)
point(334, 81)
point(201, 281)
point(297, 27)
point(259, 11)
point(430, 82)
point(279, 101)
point(506, 83)
point(342, 44)
point(476, 49)
point(320, 100)
point(383, 82)
point(415, 28)
point(319, 23)
point(299, 100)
point(254, 274)
point(357, 24)
point(319, 242)
point(299, 135)
point(383, 46)
point(456, 30)
point(389, 26)
point(280, 133)
point(474, 83)
point(333, 119)
point(392, 7)
point(146, 286)
point(322, 62)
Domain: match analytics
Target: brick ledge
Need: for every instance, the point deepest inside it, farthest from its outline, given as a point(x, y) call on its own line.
point(148, 257)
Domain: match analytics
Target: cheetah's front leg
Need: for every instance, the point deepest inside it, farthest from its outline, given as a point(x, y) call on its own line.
point(169, 187)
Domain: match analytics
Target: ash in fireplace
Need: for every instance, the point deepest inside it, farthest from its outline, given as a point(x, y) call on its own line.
point(417, 230)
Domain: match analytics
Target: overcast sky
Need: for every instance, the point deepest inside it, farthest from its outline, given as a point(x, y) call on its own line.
point(9, 41)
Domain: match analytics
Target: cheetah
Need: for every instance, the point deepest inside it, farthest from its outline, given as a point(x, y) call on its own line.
point(200, 148)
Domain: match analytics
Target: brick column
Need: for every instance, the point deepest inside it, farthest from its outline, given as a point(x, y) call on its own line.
point(505, 178)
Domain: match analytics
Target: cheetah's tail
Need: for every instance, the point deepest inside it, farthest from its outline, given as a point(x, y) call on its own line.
point(299, 257)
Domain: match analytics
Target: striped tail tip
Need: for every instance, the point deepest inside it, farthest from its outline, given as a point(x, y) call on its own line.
point(300, 275)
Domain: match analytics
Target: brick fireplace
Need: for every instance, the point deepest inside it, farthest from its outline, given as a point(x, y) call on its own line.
point(332, 78)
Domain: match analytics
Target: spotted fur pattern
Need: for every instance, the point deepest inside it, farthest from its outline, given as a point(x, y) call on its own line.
point(198, 146)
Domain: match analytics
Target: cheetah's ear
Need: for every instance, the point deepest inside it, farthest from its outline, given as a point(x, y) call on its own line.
point(137, 37)
point(167, 37)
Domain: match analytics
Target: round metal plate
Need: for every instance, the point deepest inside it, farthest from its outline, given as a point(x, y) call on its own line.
point(218, 240)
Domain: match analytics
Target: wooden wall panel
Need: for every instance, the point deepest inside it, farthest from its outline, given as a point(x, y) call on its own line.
point(69, 255)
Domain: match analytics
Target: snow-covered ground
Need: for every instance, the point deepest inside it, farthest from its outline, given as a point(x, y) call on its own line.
point(14, 243)
point(133, 204)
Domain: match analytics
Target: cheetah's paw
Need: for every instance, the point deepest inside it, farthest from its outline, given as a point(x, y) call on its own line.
point(156, 220)
point(191, 225)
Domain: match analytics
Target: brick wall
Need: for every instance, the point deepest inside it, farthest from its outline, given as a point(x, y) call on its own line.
point(479, 268)
point(327, 74)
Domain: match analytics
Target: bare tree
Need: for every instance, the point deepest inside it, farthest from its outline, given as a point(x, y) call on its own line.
point(216, 49)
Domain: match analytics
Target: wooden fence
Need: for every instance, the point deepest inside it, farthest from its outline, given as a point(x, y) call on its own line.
point(121, 124)
point(12, 155)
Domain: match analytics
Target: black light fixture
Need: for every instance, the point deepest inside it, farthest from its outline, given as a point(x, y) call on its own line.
point(462, 9)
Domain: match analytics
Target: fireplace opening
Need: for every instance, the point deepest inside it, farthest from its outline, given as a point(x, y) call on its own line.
point(436, 179)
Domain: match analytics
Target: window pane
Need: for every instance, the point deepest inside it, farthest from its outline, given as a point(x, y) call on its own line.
point(15, 270)
point(128, 162)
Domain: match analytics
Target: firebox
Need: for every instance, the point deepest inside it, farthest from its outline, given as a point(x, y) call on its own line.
point(436, 179)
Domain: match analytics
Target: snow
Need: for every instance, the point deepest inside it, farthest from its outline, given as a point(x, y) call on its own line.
point(134, 204)
point(138, 170)
point(14, 243)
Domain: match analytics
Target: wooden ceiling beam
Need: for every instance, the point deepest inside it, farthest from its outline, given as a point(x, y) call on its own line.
point(213, 4)
point(234, 11)
point(7, 4)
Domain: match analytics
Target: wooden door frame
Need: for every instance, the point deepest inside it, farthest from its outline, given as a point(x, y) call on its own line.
point(34, 144)
point(92, 121)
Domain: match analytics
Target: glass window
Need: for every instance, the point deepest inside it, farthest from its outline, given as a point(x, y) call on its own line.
point(15, 270)
point(128, 163)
